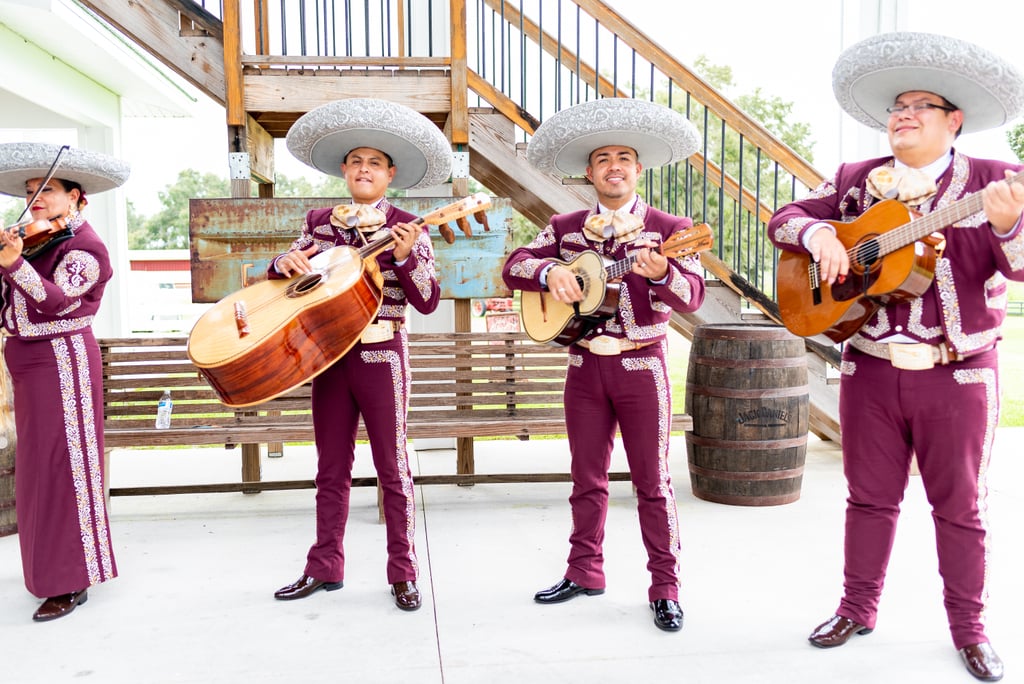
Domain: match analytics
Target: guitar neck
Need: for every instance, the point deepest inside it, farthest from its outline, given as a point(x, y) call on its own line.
point(377, 246)
point(927, 224)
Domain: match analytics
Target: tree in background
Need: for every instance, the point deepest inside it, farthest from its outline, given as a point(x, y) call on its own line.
point(1015, 136)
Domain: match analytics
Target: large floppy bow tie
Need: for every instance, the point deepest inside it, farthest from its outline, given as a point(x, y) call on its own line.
point(363, 217)
point(620, 224)
point(910, 186)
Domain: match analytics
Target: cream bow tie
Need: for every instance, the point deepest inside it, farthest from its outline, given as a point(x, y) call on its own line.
point(366, 218)
point(624, 225)
point(910, 186)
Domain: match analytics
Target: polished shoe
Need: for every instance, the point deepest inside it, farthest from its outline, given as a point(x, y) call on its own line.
point(59, 606)
point(407, 596)
point(667, 615)
point(982, 662)
point(303, 587)
point(563, 591)
point(836, 631)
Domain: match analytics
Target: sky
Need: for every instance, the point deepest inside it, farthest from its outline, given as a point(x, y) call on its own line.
point(767, 45)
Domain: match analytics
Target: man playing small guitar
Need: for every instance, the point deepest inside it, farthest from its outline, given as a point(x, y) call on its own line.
point(617, 376)
point(373, 144)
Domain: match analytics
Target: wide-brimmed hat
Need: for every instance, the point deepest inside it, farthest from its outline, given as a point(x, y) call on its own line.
point(563, 142)
point(871, 74)
point(323, 136)
point(94, 171)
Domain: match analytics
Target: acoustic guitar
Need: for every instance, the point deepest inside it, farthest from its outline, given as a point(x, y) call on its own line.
point(273, 336)
point(545, 319)
point(892, 254)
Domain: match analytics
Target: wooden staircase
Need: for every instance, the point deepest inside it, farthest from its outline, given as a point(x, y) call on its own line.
point(264, 94)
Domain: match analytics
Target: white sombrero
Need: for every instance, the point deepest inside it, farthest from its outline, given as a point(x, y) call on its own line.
point(323, 136)
point(869, 75)
point(563, 143)
point(94, 171)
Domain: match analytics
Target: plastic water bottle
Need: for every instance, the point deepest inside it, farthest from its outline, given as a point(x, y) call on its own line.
point(163, 411)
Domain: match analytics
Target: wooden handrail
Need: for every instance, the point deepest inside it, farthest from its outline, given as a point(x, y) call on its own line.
point(722, 107)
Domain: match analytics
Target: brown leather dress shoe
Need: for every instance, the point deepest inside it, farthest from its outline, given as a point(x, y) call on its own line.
point(836, 631)
point(982, 662)
point(59, 606)
point(407, 596)
point(303, 587)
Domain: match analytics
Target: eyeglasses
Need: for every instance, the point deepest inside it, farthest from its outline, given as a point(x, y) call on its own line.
point(917, 107)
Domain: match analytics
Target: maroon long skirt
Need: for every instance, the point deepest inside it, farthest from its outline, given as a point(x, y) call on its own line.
point(58, 411)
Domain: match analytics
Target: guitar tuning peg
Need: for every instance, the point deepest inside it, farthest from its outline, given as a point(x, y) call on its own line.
point(481, 218)
point(463, 224)
point(447, 233)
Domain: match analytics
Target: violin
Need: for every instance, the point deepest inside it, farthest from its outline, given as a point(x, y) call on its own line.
point(41, 234)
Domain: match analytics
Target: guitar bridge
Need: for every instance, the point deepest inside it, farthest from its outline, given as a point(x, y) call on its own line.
point(241, 319)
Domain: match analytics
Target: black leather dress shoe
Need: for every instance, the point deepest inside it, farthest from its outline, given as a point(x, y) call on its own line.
point(667, 615)
point(982, 662)
point(836, 631)
point(303, 587)
point(563, 591)
point(407, 596)
point(59, 606)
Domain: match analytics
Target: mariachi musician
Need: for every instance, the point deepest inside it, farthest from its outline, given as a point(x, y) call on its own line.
point(54, 268)
point(919, 375)
point(372, 144)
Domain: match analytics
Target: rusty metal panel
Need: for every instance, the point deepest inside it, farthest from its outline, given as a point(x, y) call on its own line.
point(232, 242)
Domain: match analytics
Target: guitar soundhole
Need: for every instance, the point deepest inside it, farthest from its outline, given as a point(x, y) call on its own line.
point(305, 284)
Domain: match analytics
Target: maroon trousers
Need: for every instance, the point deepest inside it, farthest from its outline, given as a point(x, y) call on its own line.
point(372, 380)
point(946, 416)
point(629, 391)
point(59, 495)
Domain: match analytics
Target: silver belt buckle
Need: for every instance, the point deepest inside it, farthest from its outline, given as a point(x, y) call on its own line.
point(381, 331)
point(603, 345)
point(911, 356)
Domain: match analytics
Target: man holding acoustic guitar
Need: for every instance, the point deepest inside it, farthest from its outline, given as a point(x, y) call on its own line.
point(373, 145)
point(906, 257)
point(617, 375)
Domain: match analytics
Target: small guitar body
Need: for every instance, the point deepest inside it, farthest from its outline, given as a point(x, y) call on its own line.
point(545, 319)
point(297, 328)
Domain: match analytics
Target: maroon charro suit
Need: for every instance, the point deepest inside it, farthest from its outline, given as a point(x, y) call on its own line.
point(946, 415)
point(48, 307)
point(629, 391)
point(372, 380)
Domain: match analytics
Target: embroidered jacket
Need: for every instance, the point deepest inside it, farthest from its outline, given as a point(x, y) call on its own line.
point(414, 282)
point(966, 302)
point(644, 308)
point(59, 291)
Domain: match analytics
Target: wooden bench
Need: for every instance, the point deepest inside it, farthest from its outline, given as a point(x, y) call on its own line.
point(464, 385)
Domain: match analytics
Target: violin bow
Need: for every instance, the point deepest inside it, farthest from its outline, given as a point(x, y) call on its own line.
point(46, 179)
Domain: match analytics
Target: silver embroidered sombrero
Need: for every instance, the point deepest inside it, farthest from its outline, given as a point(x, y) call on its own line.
point(94, 171)
point(323, 136)
point(563, 142)
point(869, 75)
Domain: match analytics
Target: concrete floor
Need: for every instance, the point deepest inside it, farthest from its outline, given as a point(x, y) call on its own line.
point(194, 600)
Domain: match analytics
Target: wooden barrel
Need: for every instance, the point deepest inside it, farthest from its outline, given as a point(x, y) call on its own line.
point(8, 519)
point(747, 392)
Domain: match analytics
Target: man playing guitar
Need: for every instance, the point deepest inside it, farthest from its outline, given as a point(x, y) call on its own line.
point(617, 376)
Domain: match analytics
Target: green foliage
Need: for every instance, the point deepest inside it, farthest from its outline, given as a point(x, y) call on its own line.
point(1015, 136)
point(168, 229)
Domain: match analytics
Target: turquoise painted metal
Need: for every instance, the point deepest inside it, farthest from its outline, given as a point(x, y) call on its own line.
point(232, 242)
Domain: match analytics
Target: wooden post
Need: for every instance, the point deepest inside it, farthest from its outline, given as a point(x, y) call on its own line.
point(464, 457)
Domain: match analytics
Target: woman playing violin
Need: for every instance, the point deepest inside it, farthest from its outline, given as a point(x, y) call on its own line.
point(53, 271)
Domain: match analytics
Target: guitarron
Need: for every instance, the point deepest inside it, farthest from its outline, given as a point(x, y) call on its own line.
point(271, 337)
